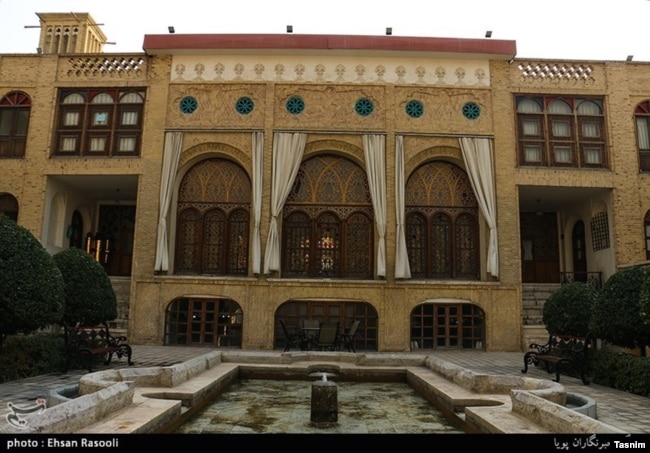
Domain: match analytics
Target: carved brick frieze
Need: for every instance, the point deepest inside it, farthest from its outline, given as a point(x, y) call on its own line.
point(422, 71)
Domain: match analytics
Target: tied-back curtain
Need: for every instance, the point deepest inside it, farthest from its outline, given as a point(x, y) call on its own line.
point(171, 154)
point(402, 266)
point(477, 153)
point(287, 156)
point(375, 154)
point(258, 156)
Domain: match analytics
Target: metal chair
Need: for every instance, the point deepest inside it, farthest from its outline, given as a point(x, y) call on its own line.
point(328, 336)
point(310, 329)
point(348, 338)
point(293, 338)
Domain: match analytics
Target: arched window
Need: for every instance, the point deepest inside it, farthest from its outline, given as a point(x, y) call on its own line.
point(328, 221)
point(204, 322)
point(15, 108)
point(642, 117)
point(212, 232)
point(9, 206)
point(447, 325)
point(442, 223)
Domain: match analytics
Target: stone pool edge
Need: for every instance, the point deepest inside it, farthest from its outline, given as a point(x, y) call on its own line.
point(146, 400)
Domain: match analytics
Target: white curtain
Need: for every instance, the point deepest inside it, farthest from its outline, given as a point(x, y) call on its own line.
point(171, 154)
point(287, 156)
point(402, 266)
point(258, 156)
point(375, 154)
point(477, 153)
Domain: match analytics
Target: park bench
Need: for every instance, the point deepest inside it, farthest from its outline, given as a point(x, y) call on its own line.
point(85, 342)
point(561, 354)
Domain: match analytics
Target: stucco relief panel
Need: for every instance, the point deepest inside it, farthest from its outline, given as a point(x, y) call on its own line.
point(216, 106)
point(330, 108)
point(443, 111)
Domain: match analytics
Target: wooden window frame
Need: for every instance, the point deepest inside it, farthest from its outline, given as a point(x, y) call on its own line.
point(577, 141)
point(15, 108)
point(112, 129)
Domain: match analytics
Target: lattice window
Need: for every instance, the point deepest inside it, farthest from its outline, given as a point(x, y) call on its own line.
point(328, 221)
point(561, 132)
point(447, 326)
point(15, 110)
point(204, 322)
point(600, 231)
point(213, 220)
point(442, 223)
point(99, 122)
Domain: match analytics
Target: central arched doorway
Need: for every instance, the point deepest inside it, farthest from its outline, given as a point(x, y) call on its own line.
point(292, 313)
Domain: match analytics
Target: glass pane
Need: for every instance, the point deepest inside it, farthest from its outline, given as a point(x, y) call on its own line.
point(131, 98)
point(589, 108)
point(71, 119)
point(529, 106)
point(74, 98)
point(559, 106)
point(562, 154)
point(533, 154)
point(100, 119)
point(97, 144)
point(531, 128)
point(127, 144)
point(102, 98)
point(642, 133)
point(561, 129)
point(68, 144)
point(592, 156)
point(5, 122)
point(22, 120)
point(590, 130)
point(129, 118)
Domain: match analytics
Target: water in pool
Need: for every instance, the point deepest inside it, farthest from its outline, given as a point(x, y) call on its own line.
point(265, 406)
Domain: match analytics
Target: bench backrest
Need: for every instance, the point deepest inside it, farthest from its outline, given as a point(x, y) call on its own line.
point(98, 335)
point(570, 343)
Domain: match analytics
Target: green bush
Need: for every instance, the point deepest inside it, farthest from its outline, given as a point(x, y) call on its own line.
point(568, 310)
point(89, 295)
point(621, 371)
point(23, 356)
point(617, 311)
point(31, 285)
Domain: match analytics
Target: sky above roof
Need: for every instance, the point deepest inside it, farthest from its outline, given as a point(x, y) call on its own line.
point(548, 29)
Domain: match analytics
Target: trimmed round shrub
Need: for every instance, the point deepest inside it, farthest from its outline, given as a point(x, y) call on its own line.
point(617, 311)
point(89, 295)
point(31, 285)
point(568, 310)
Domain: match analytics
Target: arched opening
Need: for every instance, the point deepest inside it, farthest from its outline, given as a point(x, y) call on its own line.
point(202, 321)
point(447, 325)
point(442, 232)
point(345, 312)
point(328, 221)
point(9, 206)
point(212, 232)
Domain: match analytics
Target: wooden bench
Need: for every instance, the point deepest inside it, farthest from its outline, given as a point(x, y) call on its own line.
point(85, 342)
point(562, 354)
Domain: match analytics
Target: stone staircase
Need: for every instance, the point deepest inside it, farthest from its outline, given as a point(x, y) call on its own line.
point(533, 297)
point(122, 287)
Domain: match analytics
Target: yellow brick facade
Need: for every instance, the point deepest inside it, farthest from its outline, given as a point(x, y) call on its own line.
point(330, 85)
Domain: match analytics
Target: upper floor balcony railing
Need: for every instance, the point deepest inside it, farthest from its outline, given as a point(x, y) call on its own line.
point(593, 279)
